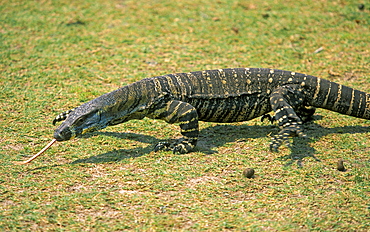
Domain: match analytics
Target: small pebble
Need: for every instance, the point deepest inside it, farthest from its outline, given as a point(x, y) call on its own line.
point(249, 172)
point(340, 166)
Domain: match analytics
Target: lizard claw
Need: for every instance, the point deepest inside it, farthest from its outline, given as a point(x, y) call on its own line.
point(292, 130)
point(268, 117)
point(162, 146)
point(183, 147)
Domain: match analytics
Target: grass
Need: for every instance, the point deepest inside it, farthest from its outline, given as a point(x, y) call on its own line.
point(54, 55)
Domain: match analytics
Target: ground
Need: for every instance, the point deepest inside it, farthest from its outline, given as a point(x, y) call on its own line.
point(56, 55)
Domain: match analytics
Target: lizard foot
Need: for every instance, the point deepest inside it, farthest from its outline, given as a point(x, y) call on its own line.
point(180, 146)
point(291, 130)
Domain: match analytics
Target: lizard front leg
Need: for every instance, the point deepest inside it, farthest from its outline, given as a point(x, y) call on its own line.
point(184, 114)
point(283, 102)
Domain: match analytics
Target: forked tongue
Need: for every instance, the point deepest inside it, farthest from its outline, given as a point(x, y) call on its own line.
point(35, 156)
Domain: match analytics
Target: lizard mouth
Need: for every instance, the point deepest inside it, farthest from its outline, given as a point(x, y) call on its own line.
point(63, 135)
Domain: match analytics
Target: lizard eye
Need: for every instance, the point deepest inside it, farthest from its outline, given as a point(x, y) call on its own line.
point(83, 118)
point(80, 120)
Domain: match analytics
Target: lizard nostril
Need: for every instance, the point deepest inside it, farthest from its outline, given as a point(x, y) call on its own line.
point(62, 135)
point(58, 136)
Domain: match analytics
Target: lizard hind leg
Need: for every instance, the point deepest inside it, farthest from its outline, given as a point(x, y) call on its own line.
point(283, 102)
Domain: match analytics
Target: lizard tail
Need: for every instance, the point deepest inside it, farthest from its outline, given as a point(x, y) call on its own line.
point(342, 99)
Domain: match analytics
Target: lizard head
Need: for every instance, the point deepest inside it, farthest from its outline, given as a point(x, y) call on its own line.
point(78, 121)
point(107, 110)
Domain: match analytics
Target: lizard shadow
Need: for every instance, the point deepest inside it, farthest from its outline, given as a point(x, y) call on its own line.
point(300, 147)
point(120, 154)
point(220, 134)
point(209, 139)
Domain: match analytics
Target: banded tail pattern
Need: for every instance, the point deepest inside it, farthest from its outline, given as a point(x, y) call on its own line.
point(340, 98)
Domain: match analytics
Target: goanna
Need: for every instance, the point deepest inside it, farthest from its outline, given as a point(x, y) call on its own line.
point(223, 95)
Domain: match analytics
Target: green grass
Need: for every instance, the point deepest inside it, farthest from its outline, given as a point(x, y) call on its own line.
point(54, 55)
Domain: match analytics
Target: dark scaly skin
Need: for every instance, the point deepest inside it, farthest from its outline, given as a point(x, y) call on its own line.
point(224, 95)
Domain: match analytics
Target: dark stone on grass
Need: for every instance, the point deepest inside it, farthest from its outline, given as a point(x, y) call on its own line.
point(340, 166)
point(249, 172)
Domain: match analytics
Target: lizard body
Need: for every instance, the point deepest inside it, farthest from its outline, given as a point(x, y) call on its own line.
point(223, 95)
